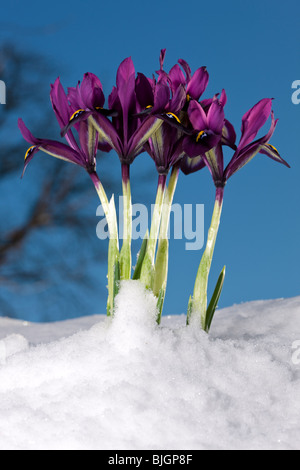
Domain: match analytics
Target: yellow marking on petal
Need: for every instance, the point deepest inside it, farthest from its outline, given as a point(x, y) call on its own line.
point(272, 147)
point(188, 98)
point(172, 115)
point(29, 151)
point(98, 107)
point(74, 114)
point(149, 106)
point(199, 136)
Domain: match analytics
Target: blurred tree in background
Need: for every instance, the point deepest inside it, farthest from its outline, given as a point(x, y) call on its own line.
point(50, 258)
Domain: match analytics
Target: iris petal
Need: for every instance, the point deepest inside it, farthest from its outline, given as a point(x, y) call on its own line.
point(126, 91)
point(228, 135)
point(198, 83)
point(141, 135)
point(107, 132)
point(253, 120)
point(197, 116)
point(191, 165)
point(78, 116)
point(272, 152)
point(91, 91)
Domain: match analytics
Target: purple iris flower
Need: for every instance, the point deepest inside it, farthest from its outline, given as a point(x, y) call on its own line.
point(247, 148)
point(87, 98)
point(194, 84)
point(82, 153)
point(165, 144)
point(207, 133)
point(204, 121)
point(252, 121)
point(127, 132)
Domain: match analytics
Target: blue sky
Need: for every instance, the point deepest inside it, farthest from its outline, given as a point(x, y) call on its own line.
point(252, 50)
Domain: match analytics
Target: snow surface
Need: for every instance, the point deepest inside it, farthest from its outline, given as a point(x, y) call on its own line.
point(93, 383)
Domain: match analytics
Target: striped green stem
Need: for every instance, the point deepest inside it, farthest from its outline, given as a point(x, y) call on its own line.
point(148, 270)
point(199, 302)
point(162, 257)
point(113, 247)
point(125, 254)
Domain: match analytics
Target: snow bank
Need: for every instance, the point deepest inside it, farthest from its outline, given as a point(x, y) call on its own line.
point(94, 383)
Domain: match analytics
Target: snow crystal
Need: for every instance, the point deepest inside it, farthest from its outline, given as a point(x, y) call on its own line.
point(126, 383)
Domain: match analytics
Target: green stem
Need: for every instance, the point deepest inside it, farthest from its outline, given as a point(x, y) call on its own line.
point(199, 301)
point(125, 254)
point(147, 272)
point(162, 257)
point(113, 247)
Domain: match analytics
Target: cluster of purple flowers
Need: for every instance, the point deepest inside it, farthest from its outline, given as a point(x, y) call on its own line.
point(165, 116)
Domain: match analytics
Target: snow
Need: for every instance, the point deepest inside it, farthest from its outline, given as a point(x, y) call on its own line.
point(96, 383)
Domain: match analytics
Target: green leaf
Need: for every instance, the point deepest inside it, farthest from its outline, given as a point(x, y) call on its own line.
point(214, 300)
point(160, 304)
point(116, 288)
point(138, 268)
point(117, 276)
point(189, 310)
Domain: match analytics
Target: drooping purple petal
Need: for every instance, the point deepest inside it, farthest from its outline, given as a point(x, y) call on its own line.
point(243, 155)
point(141, 135)
point(198, 145)
point(62, 151)
point(156, 146)
point(107, 132)
point(191, 165)
point(173, 120)
point(215, 162)
point(77, 117)
point(161, 146)
point(88, 137)
point(51, 147)
point(177, 154)
point(28, 136)
point(241, 158)
point(29, 156)
point(272, 152)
